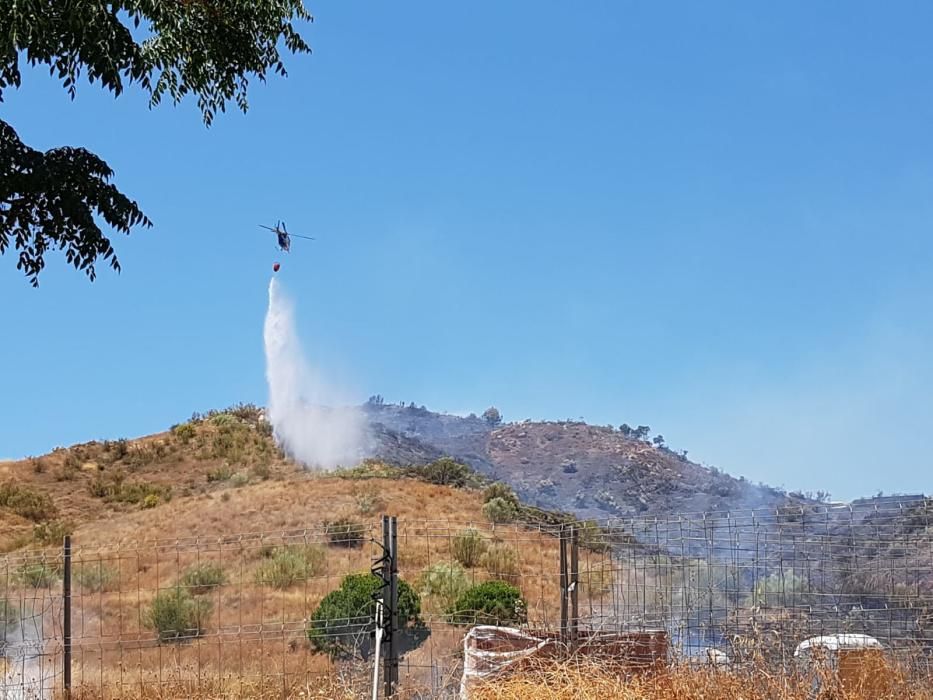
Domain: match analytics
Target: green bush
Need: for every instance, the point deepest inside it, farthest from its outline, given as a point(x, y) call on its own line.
point(500, 490)
point(38, 574)
point(286, 566)
point(346, 615)
point(499, 510)
point(95, 577)
point(468, 547)
point(177, 615)
point(345, 532)
point(202, 578)
point(489, 603)
point(26, 502)
point(222, 473)
point(445, 472)
point(501, 561)
point(445, 581)
point(184, 432)
point(239, 480)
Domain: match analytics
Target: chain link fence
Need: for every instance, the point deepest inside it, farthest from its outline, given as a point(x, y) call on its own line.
point(273, 614)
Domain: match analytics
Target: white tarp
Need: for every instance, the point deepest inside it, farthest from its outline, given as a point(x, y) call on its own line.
point(490, 650)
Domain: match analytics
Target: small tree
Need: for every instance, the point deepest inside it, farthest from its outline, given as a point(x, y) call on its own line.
point(658, 440)
point(499, 510)
point(641, 432)
point(445, 472)
point(492, 416)
point(500, 490)
point(469, 547)
point(347, 615)
point(445, 581)
point(489, 603)
point(177, 615)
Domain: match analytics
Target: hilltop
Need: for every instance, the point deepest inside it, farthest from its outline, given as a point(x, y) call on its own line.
point(592, 471)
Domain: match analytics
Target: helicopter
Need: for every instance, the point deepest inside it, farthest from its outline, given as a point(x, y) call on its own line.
point(283, 237)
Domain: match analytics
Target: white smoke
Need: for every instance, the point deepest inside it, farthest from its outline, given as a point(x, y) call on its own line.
point(307, 422)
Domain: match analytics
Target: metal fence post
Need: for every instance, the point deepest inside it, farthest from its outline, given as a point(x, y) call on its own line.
point(386, 607)
point(393, 598)
point(574, 586)
point(563, 585)
point(66, 623)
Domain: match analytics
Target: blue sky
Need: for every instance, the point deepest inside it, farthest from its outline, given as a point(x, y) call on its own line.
point(713, 218)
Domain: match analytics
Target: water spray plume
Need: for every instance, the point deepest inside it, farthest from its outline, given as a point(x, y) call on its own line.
point(307, 420)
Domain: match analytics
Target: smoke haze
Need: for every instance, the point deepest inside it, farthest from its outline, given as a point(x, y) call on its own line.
point(308, 421)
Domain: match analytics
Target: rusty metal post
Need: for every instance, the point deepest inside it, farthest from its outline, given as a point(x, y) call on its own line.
point(564, 582)
point(574, 585)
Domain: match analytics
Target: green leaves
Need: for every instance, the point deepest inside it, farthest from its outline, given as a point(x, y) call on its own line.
point(52, 198)
point(208, 48)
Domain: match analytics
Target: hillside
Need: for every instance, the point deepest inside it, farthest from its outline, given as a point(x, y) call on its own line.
point(592, 471)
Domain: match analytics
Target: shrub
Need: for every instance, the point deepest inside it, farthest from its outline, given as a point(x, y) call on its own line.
point(177, 615)
point(345, 532)
point(286, 566)
point(346, 615)
point(468, 547)
point(222, 473)
point(500, 490)
point(501, 561)
point(184, 432)
point(223, 419)
point(38, 574)
point(51, 532)
point(368, 500)
point(95, 577)
point(489, 603)
point(492, 416)
point(445, 472)
point(446, 581)
point(499, 510)
point(151, 500)
point(26, 502)
point(202, 578)
point(239, 480)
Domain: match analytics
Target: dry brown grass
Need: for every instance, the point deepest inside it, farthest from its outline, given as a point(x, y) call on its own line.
point(582, 679)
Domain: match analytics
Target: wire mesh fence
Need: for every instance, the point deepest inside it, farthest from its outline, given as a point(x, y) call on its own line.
point(274, 614)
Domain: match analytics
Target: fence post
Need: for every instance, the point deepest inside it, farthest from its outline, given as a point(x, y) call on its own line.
point(563, 585)
point(386, 606)
point(574, 586)
point(393, 597)
point(66, 623)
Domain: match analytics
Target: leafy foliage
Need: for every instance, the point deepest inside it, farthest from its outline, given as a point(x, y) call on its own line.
point(446, 581)
point(492, 416)
point(177, 615)
point(469, 547)
point(499, 510)
point(346, 615)
point(345, 532)
point(286, 566)
point(489, 603)
point(445, 472)
point(203, 578)
point(501, 561)
point(26, 502)
point(208, 49)
point(500, 490)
